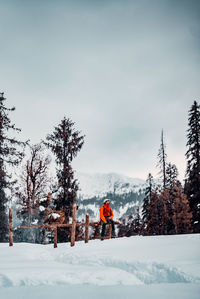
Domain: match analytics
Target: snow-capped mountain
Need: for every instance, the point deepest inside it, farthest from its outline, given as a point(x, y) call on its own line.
point(125, 193)
point(99, 184)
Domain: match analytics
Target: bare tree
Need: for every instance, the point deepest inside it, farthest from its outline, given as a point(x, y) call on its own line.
point(34, 184)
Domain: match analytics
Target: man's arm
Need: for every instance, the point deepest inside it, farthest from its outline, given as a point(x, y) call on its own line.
point(102, 215)
point(112, 214)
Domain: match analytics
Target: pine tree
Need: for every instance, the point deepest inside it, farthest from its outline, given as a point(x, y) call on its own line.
point(182, 215)
point(145, 208)
point(3, 214)
point(162, 160)
point(10, 154)
point(171, 175)
point(192, 183)
point(65, 142)
point(171, 180)
point(124, 228)
point(159, 218)
point(153, 221)
point(136, 223)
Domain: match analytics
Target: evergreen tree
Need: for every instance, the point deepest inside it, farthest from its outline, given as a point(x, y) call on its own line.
point(182, 215)
point(171, 175)
point(3, 214)
point(124, 228)
point(153, 221)
point(162, 160)
point(65, 142)
point(171, 180)
point(131, 225)
point(148, 192)
point(10, 154)
point(136, 223)
point(192, 183)
point(159, 218)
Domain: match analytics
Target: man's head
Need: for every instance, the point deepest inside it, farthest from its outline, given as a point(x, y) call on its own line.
point(107, 202)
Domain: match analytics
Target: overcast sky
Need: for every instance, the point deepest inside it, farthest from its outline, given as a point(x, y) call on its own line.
point(121, 70)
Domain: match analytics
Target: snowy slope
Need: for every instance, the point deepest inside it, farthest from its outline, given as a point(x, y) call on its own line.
point(146, 267)
point(99, 184)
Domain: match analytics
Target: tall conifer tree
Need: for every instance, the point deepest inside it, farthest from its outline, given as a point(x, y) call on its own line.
point(159, 217)
point(171, 180)
point(148, 192)
point(192, 184)
point(171, 175)
point(9, 155)
point(162, 160)
point(181, 211)
point(136, 224)
point(65, 142)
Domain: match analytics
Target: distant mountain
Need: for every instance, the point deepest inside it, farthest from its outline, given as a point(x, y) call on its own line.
point(125, 193)
point(99, 184)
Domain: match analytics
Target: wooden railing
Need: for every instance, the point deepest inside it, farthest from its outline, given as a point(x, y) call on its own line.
point(54, 227)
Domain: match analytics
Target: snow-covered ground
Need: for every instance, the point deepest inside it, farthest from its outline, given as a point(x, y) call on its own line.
point(137, 267)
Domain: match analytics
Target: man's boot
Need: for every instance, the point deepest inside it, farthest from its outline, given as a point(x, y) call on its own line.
point(113, 235)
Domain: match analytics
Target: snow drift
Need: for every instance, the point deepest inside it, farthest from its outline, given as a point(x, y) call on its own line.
point(135, 263)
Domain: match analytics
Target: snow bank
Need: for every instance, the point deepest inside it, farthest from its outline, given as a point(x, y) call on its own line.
point(136, 265)
point(173, 291)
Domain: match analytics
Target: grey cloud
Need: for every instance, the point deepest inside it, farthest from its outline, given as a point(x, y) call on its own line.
point(122, 70)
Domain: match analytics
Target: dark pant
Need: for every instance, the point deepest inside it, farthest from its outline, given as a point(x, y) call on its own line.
point(109, 221)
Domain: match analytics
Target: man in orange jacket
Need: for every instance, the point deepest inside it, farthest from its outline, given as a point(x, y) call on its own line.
point(106, 217)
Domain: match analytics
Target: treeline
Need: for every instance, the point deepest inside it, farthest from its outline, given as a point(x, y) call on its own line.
point(39, 198)
point(170, 207)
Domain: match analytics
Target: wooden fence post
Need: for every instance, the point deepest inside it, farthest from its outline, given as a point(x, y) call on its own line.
point(109, 231)
point(10, 228)
point(73, 229)
point(55, 236)
point(87, 222)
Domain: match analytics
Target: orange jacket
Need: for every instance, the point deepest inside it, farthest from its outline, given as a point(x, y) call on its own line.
point(106, 212)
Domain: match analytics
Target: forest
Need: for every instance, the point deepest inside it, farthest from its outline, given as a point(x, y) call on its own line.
point(169, 206)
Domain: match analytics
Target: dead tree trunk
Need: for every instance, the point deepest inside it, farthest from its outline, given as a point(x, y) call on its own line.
point(109, 231)
point(73, 229)
point(10, 228)
point(87, 222)
point(55, 236)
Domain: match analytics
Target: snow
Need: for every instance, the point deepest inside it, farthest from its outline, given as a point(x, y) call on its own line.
point(54, 215)
point(41, 208)
point(136, 267)
point(35, 222)
point(99, 184)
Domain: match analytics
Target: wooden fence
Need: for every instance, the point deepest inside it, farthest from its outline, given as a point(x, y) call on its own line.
point(54, 227)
